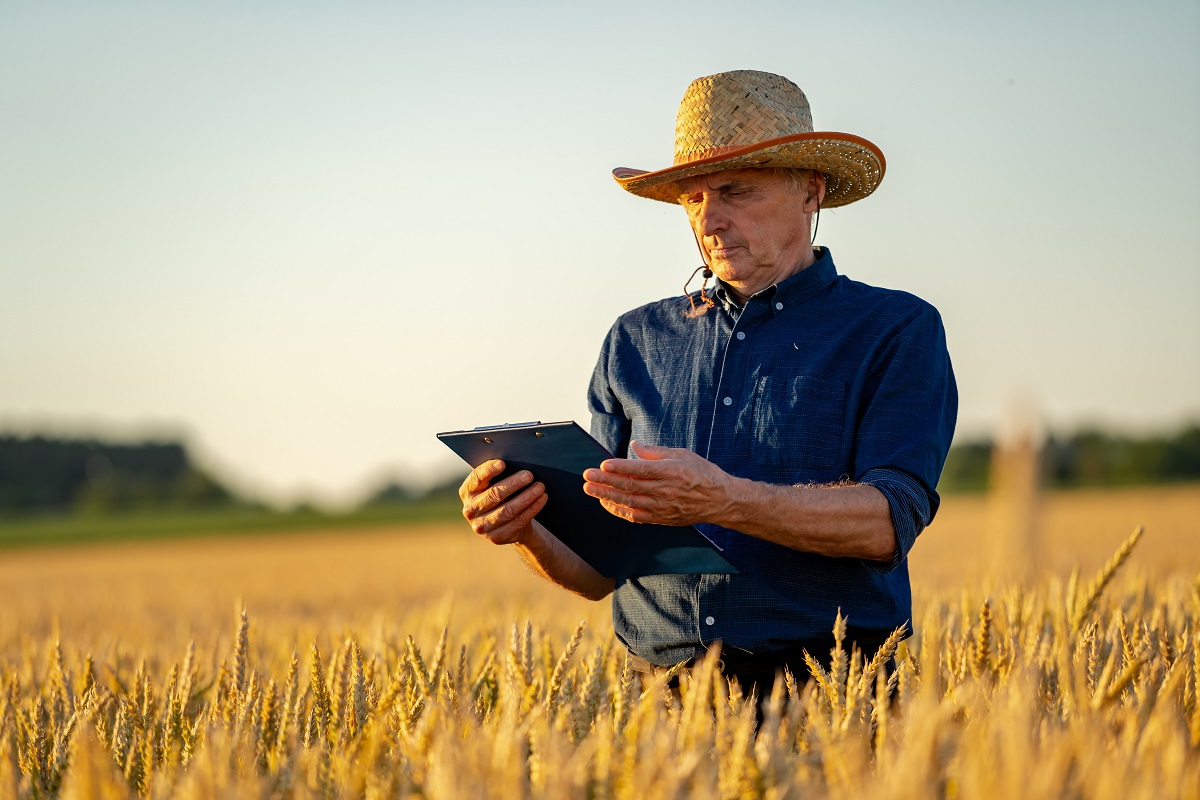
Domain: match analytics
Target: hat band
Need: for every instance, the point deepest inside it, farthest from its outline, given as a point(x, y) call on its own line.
point(712, 152)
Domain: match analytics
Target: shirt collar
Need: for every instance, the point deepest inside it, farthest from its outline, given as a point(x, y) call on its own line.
point(790, 291)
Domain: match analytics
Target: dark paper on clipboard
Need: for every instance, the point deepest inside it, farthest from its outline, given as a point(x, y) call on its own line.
point(557, 453)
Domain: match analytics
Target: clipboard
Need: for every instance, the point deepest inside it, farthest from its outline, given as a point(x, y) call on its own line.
point(557, 453)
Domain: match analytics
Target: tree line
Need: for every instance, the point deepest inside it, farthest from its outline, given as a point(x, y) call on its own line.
point(1089, 457)
point(40, 473)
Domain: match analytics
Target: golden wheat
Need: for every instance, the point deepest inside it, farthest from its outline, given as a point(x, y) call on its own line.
point(121, 675)
point(1047, 692)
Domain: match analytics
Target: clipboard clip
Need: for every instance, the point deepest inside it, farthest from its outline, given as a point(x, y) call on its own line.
point(507, 425)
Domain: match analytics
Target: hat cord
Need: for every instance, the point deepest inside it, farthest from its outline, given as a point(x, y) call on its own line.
point(706, 301)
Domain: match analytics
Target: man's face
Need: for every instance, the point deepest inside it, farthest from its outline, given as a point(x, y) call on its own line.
point(752, 224)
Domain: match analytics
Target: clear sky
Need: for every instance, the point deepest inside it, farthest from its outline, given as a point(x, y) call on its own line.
point(307, 236)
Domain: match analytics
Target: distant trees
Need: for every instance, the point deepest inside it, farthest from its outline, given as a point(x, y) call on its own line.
point(1096, 458)
point(1089, 457)
point(967, 467)
point(39, 473)
point(396, 493)
point(87, 475)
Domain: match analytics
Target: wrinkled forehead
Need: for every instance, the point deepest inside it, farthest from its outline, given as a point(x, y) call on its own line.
point(728, 178)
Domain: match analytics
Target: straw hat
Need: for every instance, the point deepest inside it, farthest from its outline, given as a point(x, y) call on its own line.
point(740, 119)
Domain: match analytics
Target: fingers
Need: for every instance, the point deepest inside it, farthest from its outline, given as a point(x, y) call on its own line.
point(506, 523)
point(502, 511)
point(634, 467)
point(607, 493)
point(488, 497)
point(626, 483)
point(651, 462)
point(664, 485)
point(625, 512)
point(655, 453)
point(479, 478)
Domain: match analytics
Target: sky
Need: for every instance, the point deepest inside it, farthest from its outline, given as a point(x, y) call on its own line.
point(306, 237)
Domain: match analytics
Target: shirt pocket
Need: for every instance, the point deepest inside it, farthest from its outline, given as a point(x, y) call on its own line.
point(799, 421)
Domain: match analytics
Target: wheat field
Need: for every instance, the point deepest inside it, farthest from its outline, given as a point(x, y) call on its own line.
point(400, 662)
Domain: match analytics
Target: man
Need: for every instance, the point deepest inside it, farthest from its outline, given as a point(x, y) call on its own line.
point(798, 418)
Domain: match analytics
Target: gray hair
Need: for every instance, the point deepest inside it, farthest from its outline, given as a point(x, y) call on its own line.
point(798, 180)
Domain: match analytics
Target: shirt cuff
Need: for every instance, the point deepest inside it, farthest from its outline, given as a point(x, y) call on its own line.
point(910, 507)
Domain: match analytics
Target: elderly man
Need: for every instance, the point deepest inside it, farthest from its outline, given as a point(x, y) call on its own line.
point(798, 418)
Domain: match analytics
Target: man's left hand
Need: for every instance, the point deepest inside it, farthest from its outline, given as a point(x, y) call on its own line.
point(662, 486)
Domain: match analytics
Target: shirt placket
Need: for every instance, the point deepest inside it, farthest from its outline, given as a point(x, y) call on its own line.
point(733, 392)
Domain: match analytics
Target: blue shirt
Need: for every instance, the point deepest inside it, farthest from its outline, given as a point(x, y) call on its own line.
point(817, 379)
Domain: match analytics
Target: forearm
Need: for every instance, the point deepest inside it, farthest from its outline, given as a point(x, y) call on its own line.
point(842, 521)
point(504, 512)
point(673, 486)
point(554, 561)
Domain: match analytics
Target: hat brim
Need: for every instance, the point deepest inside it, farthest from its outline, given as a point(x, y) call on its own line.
point(853, 167)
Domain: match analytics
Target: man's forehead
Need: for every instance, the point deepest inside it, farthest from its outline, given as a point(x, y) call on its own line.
point(728, 178)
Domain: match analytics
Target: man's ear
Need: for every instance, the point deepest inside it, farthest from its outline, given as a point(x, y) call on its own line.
point(816, 194)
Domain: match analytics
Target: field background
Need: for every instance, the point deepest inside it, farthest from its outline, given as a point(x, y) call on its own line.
point(417, 577)
point(1003, 671)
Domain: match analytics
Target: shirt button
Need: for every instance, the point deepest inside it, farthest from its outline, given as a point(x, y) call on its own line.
point(741, 335)
point(710, 620)
point(779, 306)
point(728, 401)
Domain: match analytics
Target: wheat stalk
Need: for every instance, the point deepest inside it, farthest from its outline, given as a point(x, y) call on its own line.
point(1081, 609)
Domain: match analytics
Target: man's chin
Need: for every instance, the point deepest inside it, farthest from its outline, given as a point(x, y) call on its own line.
point(730, 272)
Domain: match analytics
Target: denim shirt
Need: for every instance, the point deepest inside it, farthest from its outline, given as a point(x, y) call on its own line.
point(817, 379)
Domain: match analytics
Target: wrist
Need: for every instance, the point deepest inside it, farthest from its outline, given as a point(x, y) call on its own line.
point(527, 538)
point(732, 502)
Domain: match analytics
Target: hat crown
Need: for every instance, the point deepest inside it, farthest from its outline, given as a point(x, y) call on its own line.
point(736, 109)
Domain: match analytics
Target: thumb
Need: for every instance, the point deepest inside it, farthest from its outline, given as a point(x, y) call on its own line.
point(652, 452)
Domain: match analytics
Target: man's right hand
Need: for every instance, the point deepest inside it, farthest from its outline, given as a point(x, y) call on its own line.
point(504, 512)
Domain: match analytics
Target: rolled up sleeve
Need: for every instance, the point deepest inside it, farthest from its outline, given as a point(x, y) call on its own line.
point(906, 422)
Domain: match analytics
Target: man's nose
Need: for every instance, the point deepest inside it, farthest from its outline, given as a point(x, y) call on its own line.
point(711, 218)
